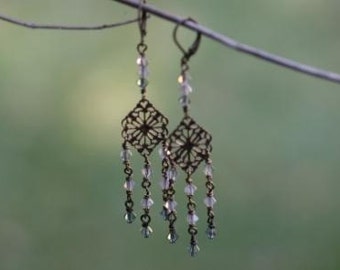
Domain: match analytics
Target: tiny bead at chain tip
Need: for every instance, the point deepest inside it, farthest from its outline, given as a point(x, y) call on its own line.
point(193, 250)
point(146, 231)
point(130, 217)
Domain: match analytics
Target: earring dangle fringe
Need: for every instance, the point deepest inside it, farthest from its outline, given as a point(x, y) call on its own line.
point(143, 129)
point(189, 144)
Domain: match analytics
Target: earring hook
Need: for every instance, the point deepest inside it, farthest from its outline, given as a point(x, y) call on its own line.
point(195, 45)
point(142, 18)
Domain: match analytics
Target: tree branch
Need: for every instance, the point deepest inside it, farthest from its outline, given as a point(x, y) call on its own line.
point(64, 27)
point(231, 43)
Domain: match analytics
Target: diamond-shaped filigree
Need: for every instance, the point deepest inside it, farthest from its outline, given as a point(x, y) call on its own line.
point(144, 127)
point(189, 145)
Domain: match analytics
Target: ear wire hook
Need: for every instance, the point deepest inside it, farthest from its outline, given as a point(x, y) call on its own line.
point(142, 18)
point(193, 48)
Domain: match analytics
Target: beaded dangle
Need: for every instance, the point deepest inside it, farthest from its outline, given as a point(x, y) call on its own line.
point(143, 128)
point(189, 144)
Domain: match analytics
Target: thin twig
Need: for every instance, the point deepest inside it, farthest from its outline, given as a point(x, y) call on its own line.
point(64, 27)
point(231, 43)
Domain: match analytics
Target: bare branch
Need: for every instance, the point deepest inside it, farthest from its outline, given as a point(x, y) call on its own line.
point(231, 43)
point(64, 27)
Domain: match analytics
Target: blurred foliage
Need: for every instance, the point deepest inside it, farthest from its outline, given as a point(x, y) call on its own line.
point(276, 137)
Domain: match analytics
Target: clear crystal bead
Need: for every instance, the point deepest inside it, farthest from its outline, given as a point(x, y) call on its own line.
point(184, 100)
point(164, 214)
point(211, 233)
point(192, 218)
point(172, 173)
point(147, 171)
point(147, 203)
point(130, 217)
point(172, 237)
point(208, 170)
point(193, 250)
point(143, 71)
point(146, 231)
point(170, 205)
point(186, 88)
point(190, 189)
point(129, 185)
point(180, 79)
point(164, 183)
point(125, 155)
point(142, 61)
point(142, 82)
point(210, 201)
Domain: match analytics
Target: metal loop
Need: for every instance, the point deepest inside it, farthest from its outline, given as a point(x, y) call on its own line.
point(193, 48)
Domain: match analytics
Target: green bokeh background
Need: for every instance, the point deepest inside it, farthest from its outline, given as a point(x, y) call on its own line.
point(275, 134)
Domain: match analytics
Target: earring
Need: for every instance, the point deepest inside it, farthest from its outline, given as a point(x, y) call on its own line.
point(189, 145)
point(143, 128)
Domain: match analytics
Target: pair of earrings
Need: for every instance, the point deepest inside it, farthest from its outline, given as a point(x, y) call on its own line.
point(187, 146)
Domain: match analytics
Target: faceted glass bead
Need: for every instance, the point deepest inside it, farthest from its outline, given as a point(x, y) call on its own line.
point(186, 88)
point(125, 155)
point(192, 218)
point(211, 233)
point(147, 203)
point(164, 214)
point(173, 237)
point(129, 185)
point(184, 100)
point(208, 170)
point(193, 250)
point(170, 205)
point(143, 71)
point(142, 83)
point(180, 79)
point(190, 189)
point(130, 217)
point(142, 61)
point(210, 201)
point(147, 172)
point(146, 231)
point(164, 183)
point(172, 173)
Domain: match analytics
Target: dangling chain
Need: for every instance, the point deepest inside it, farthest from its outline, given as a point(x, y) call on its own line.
point(210, 200)
point(147, 202)
point(130, 216)
point(192, 218)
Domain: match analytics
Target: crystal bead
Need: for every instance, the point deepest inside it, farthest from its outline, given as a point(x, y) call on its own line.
point(142, 82)
point(164, 183)
point(170, 205)
point(172, 237)
point(143, 72)
point(208, 170)
point(184, 100)
point(129, 185)
point(192, 219)
point(146, 231)
point(186, 88)
point(130, 217)
point(147, 171)
point(125, 155)
point(171, 173)
point(142, 61)
point(164, 214)
point(147, 203)
point(211, 233)
point(190, 189)
point(193, 250)
point(180, 79)
point(210, 201)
